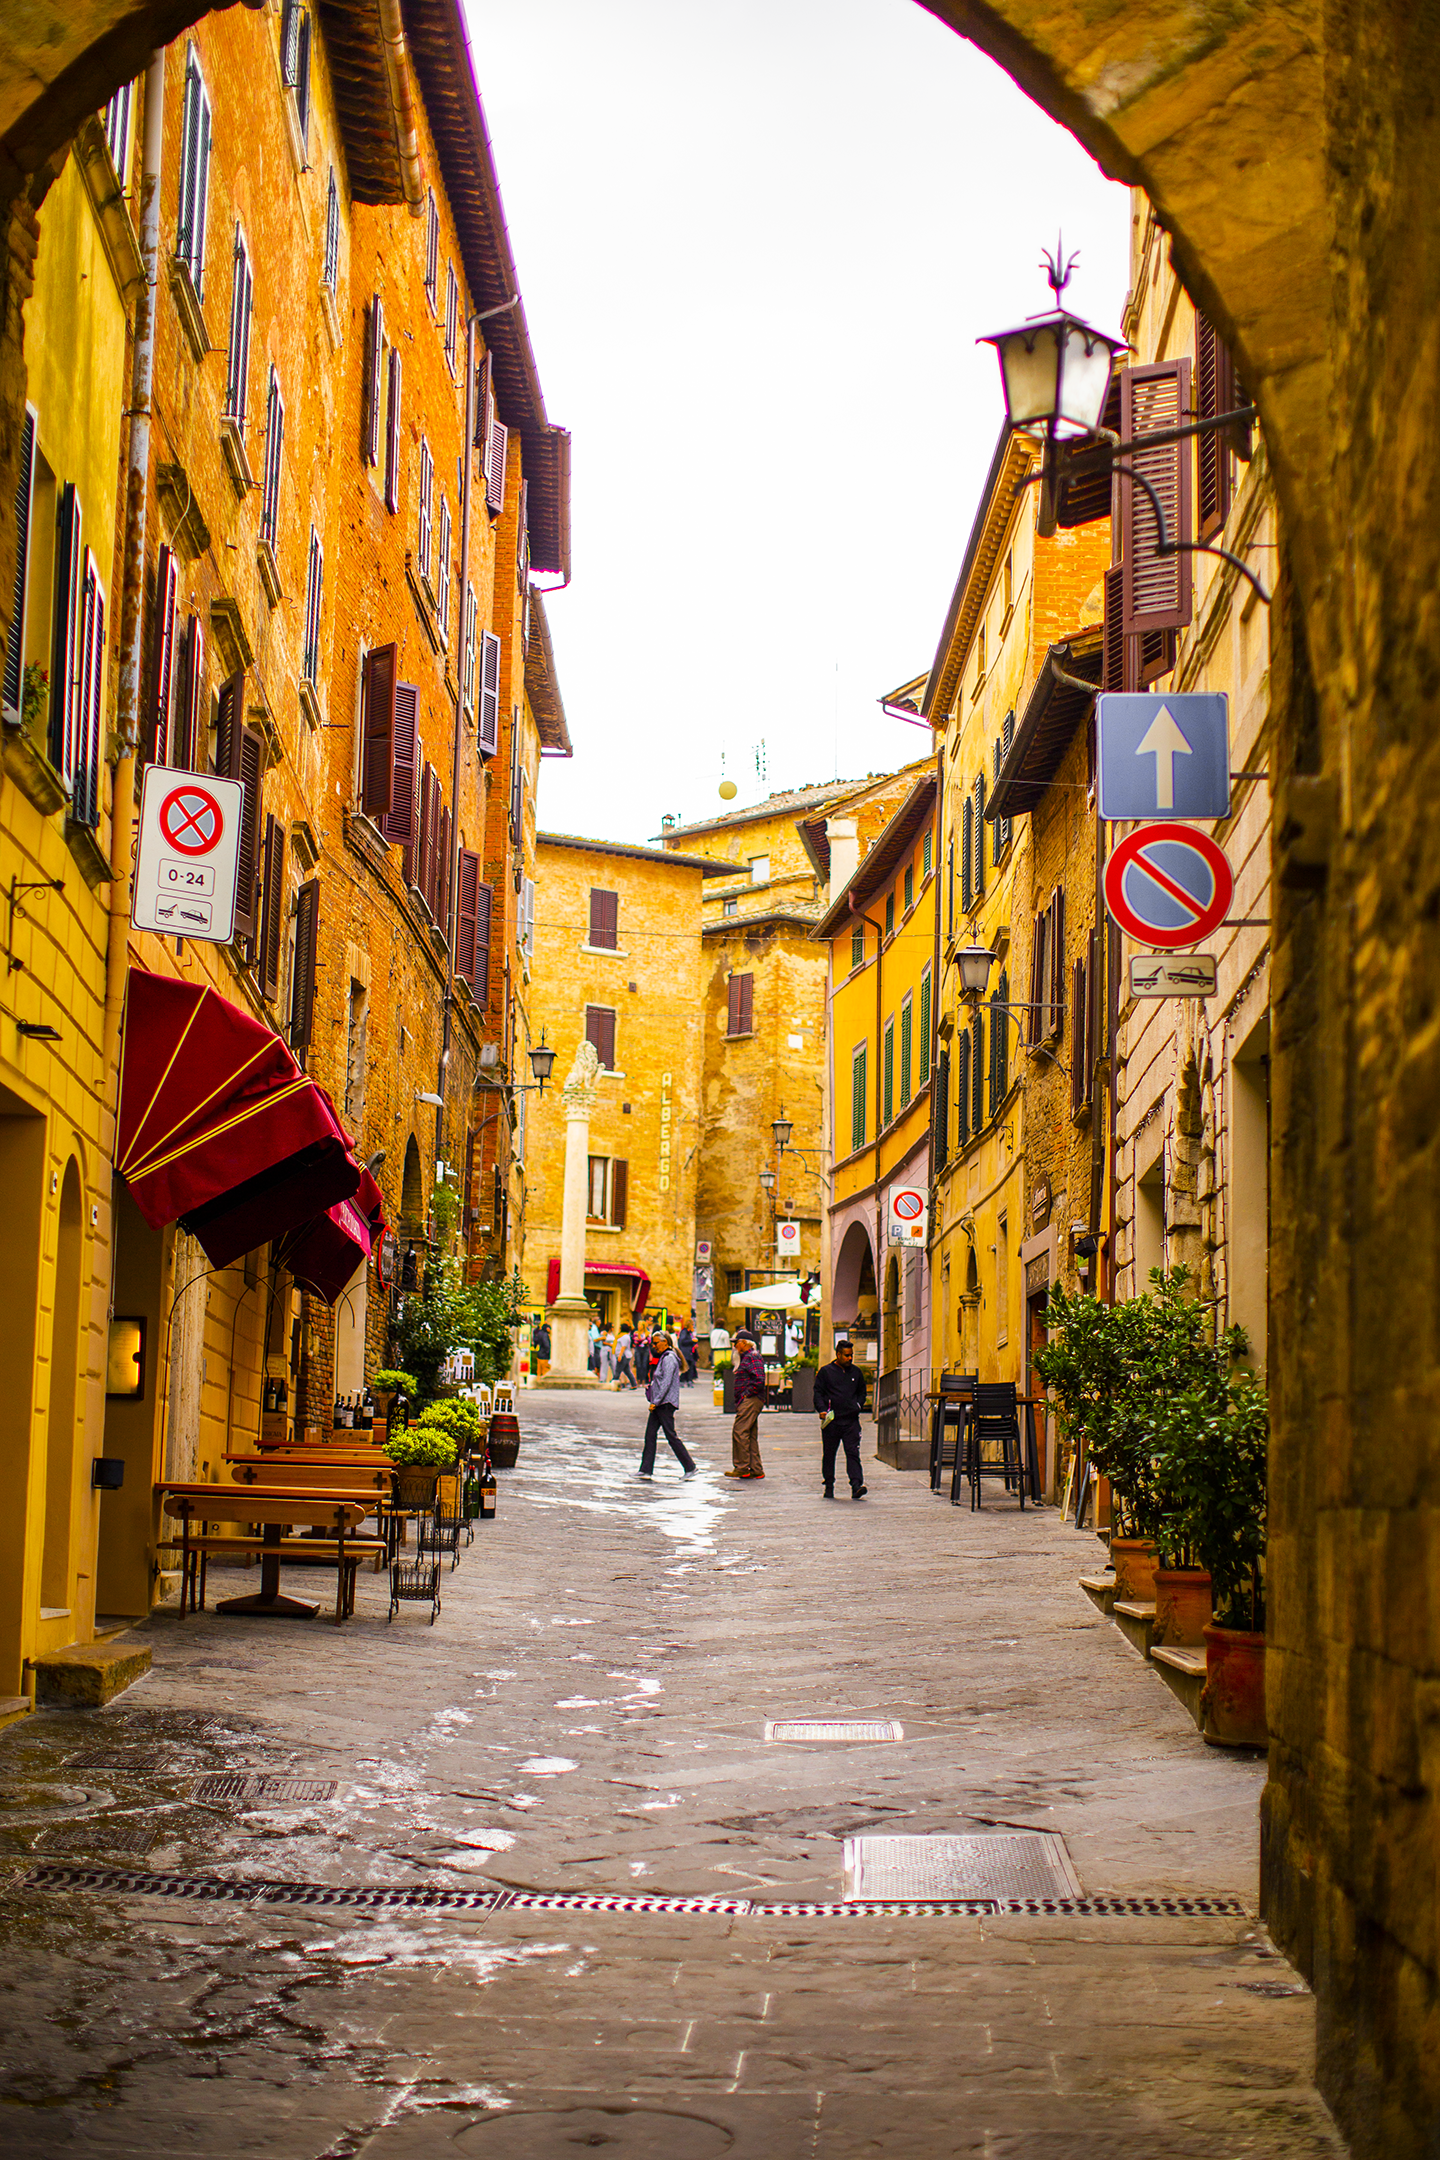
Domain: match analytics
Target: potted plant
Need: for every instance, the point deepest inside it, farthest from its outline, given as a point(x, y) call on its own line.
point(802, 1370)
point(1225, 1520)
point(389, 1383)
point(456, 1416)
point(419, 1455)
point(1084, 1364)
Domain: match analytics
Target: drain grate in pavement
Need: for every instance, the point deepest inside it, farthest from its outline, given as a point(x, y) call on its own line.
point(231, 1785)
point(142, 1882)
point(100, 1836)
point(792, 1730)
point(1010, 1864)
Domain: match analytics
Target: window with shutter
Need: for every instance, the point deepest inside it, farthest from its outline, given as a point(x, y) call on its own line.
point(962, 1091)
point(467, 884)
point(950, 893)
point(189, 747)
point(194, 187)
point(967, 852)
point(600, 1030)
point(160, 685)
point(977, 1073)
point(1078, 1091)
point(241, 303)
point(909, 887)
point(445, 870)
point(979, 835)
point(887, 1084)
point(604, 919)
point(398, 824)
point(859, 1093)
point(442, 574)
point(1000, 1040)
point(857, 946)
point(527, 941)
point(229, 720)
point(1215, 393)
point(378, 689)
point(372, 386)
point(484, 407)
point(495, 466)
point(302, 980)
point(424, 542)
point(517, 778)
point(314, 601)
point(330, 273)
point(619, 1191)
point(1158, 588)
point(117, 121)
point(927, 853)
point(432, 250)
point(940, 1111)
point(1113, 640)
point(489, 718)
point(274, 447)
point(14, 676)
point(392, 431)
point(247, 860)
point(741, 1007)
point(907, 1044)
point(272, 909)
point(90, 700)
point(925, 1016)
point(65, 661)
point(484, 914)
point(522, 537)
point(1056, 1014)
point(467, 654)
point(889, 914)
point(452, 316)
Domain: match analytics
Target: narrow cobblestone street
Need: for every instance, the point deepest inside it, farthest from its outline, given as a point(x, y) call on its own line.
point(588, 1716)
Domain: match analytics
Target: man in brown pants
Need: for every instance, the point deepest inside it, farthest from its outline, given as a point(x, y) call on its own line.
point(749, 1401)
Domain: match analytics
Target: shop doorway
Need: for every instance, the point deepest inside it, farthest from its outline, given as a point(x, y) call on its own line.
point(64, 1378)
point(126, 1550)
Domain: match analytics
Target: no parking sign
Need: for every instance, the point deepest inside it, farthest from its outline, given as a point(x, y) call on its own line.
point(187, 854)
point(909, 1215)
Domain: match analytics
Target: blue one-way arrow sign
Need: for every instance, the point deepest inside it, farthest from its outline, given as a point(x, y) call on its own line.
point(1164, 757)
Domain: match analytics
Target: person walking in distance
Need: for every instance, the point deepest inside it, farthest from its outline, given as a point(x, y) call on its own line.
point(685, 1344)
point(840, 1398)
point(662, 1392)
point(749, 1401)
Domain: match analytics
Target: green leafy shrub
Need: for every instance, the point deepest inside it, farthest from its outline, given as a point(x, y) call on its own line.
point(454, 1415)
point(422, 1447)
point(388, 1381)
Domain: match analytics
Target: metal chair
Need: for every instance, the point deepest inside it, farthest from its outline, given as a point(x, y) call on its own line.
point(947, 1427)
point(994, 1423)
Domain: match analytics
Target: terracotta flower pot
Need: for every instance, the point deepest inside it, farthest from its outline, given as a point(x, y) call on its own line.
point(1233, 1697)
point(1134, 1560)
point(1182, 1606)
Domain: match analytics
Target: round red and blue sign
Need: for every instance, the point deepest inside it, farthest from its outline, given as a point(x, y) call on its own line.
point(1168, 885)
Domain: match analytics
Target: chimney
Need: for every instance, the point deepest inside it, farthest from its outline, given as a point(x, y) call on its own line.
point(842, 834)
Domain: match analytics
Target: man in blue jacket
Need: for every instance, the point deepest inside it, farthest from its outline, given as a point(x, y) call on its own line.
point(840, 1398)
point(663, 1393)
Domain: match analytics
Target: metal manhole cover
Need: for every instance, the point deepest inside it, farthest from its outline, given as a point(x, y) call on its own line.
point(1009, 1864)
point(620, 2133)
point(230, 1785)
point(99, 1837)
point(791, 1730)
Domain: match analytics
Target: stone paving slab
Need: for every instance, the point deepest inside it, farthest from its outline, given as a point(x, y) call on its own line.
point(587, 1715)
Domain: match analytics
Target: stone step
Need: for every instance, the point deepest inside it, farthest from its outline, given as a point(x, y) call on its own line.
point(1100, 1589)
point(89, 1674)
point(1136, 1622)
point(1183, 1671)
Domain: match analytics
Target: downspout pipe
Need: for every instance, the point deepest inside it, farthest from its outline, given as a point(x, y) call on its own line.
point(860, 916)
point(132, 616)
point(407, 133)
point(452, 868)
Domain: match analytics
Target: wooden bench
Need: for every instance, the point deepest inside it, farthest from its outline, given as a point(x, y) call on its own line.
point(202, 1550)
point(280, 1511)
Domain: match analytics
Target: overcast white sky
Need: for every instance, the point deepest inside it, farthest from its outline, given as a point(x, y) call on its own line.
point(757, 242)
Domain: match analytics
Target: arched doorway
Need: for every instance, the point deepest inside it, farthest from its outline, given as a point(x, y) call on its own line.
point(890, 1339)
point(60, 1451)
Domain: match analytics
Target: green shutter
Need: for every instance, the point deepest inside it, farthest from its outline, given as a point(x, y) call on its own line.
point(962, 1098)
point(977, 1075)
point(907, 1012)
point(1001, 1041)
point(924, 1027)
point(926, 857)
point(889, 1075)
point(858, 1092)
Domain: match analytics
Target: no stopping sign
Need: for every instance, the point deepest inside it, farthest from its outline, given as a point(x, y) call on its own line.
point(1168, 885)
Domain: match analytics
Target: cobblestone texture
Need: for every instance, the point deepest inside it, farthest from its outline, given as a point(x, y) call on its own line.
point(587, 1715)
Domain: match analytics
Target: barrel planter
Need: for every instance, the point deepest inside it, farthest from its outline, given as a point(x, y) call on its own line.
point(1232, 1700)
point(1182, 1607)
point(1134, 1561)
point(504, 1439)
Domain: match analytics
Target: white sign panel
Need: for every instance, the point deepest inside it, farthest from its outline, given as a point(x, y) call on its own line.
point(787, 1240)
point(1172, 975)
point(909, 1216)
point(187, 854)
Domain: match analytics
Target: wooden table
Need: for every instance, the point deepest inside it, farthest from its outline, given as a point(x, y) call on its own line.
point(276, 1509)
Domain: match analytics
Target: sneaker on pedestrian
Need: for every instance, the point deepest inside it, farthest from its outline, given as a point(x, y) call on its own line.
point(829, 1492)
point(859, 1492)
point(757, 1473)
point(645, 1473)
point(685, 1474)
point(737, 1473)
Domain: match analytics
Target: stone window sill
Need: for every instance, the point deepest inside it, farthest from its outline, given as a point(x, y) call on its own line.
point(607, 952)
point(310, 704)
point(237, 457)
point(189, 309)
point(88, 853)
point(331, 316)
point(269, 572)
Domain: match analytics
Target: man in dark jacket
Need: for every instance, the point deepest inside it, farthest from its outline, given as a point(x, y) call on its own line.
point(749, 1401)
point(840, 1398)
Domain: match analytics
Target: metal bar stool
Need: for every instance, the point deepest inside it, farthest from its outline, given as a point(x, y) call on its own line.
point(994, 1422)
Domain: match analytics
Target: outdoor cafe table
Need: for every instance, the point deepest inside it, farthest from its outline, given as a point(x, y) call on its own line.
point(276, 1509)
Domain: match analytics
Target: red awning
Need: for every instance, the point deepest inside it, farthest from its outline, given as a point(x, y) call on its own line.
point(219, 1128)
point(638, 1295)
point(324, 1253)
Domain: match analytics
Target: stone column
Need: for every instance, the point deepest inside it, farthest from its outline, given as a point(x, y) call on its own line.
point(569, 1316)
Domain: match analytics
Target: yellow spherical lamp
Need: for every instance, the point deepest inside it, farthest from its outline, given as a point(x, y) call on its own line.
point(728, 791)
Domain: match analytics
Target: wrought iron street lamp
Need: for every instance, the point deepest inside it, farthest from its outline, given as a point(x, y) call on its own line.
point(1055, 367)
point(542, 1061)
point(975, 963)
point(782, 1127)
point(767, 1180)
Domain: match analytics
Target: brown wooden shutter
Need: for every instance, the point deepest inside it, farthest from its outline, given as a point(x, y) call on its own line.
point(484, 907)
point(231, 728)
point(604, 919)
point(187, 737)
point(442, 871)
point(484, 395)
point(1158, 588)
point(377, 730)
point(979, 834)
point(13, 689)
point(370, 396)
point(495, 465)
point(307, 947)
point(1112, 667)
point(392, 433)
point(732, 1018)
point(467, 886)
point(1057, 965)
point(398, 825)
point(422, 837)
point(272, 908)
point(1214, 394)
point(747, 1004)
point(162, 661)
point(1038, 977)
point(247, 863)
point(619, 1192)
point(1077, 1059)
point(600, 1030)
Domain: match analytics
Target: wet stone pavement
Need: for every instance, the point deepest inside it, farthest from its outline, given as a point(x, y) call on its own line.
point(587, 1719)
